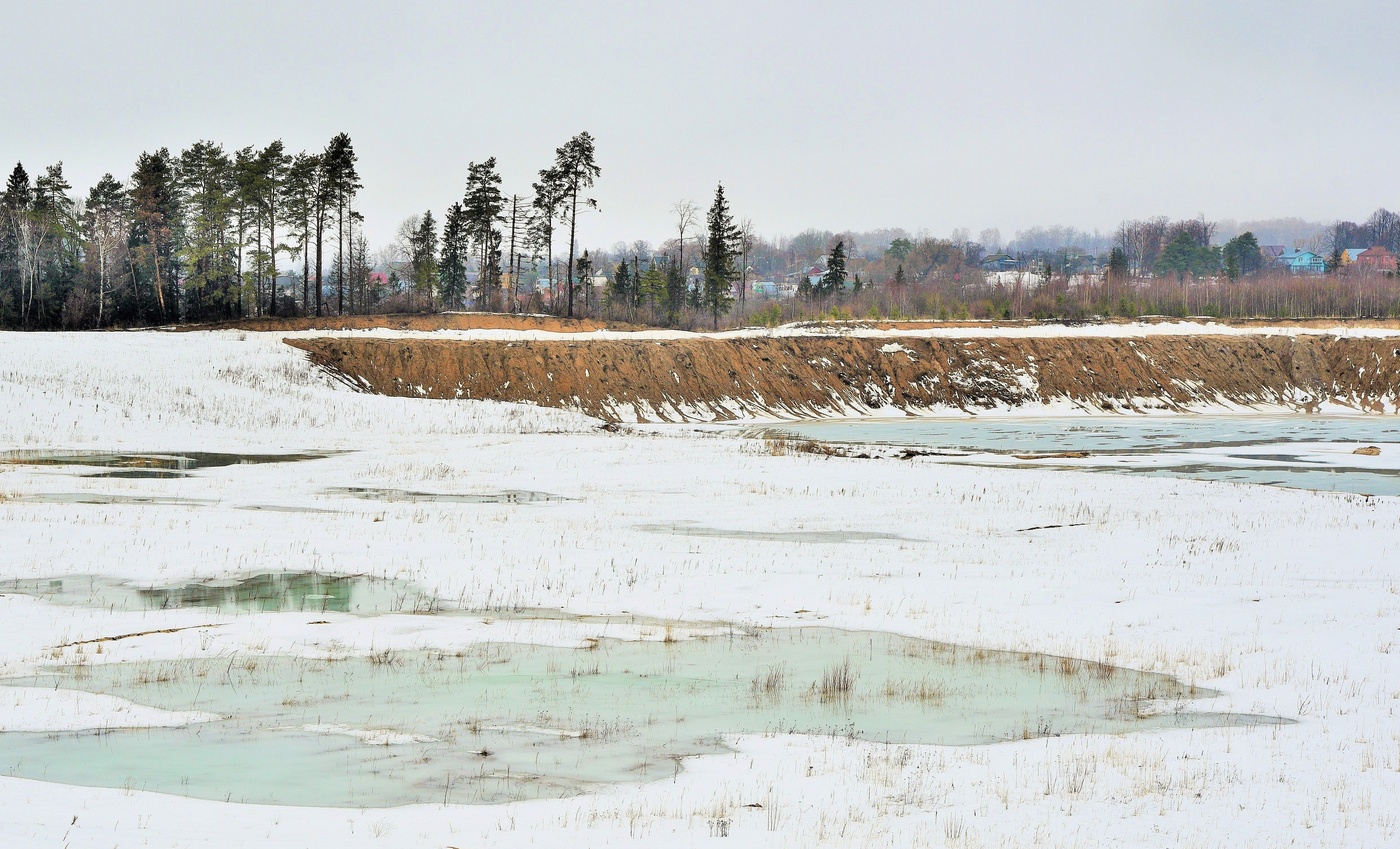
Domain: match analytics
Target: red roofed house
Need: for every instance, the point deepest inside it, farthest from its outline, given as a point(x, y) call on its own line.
point(1376, 258)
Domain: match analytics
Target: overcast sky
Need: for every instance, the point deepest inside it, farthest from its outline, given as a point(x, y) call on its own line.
point(839, 116)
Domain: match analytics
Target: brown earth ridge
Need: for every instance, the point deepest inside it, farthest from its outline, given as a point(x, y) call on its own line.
point(723, 379)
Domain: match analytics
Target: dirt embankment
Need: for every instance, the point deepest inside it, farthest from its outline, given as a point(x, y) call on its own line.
point(415, 321)
point(722, 379)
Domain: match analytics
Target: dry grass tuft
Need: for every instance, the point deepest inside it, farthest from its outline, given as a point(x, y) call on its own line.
point(769, 682)
point(837, 682)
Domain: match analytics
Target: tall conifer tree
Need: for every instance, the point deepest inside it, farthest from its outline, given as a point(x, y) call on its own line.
point(342, 182)
point(721, 247)
point(452, 266)
point(576, 171)
point(834, 280)
point(155, 214)
point(482, 205)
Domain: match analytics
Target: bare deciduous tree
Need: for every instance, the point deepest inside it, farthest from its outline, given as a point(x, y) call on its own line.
point(685, 214)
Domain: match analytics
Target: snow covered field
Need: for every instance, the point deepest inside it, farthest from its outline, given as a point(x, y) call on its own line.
point(1288, 602)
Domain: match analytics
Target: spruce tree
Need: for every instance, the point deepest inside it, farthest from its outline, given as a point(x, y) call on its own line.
point(422, 260)
point(805, 290)
point(620, 288)
point(834, 280)
point(452, 265)
point(634, 289)
point(675, 292)
point(20, 248)
point(584, 268)
point(721, 247)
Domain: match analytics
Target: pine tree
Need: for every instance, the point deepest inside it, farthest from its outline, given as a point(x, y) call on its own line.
point(342, 182)
point(272, 163)
point(60, 251)
point(483, 204)
point(204, 175)
point(547, 202)
point(721, 247)
point(106, 222)
point(246, 218)
point(576, 172)
point(520, 222)
point(155, 215)
point(323, 199)
point(651, 289)
point(899, 278)
point(300, 188)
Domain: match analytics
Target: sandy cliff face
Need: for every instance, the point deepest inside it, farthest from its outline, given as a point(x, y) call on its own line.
point(708, 379)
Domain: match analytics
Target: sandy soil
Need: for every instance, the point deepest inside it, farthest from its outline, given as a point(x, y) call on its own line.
point(721, 379)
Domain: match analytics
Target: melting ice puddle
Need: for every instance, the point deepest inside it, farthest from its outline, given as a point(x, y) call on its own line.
point(686, 529)
point(135, 465)
point(511, 496)
point(505, 721)
point(107, 498)
point(268, 592)
point(300, 592)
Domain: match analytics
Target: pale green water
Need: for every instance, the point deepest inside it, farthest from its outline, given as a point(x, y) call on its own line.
point(511, 721)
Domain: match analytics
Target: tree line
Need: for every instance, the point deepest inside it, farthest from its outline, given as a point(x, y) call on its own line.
point(208, 235)
point(201, 235)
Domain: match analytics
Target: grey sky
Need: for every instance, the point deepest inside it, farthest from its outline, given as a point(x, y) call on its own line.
point(815, 114)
